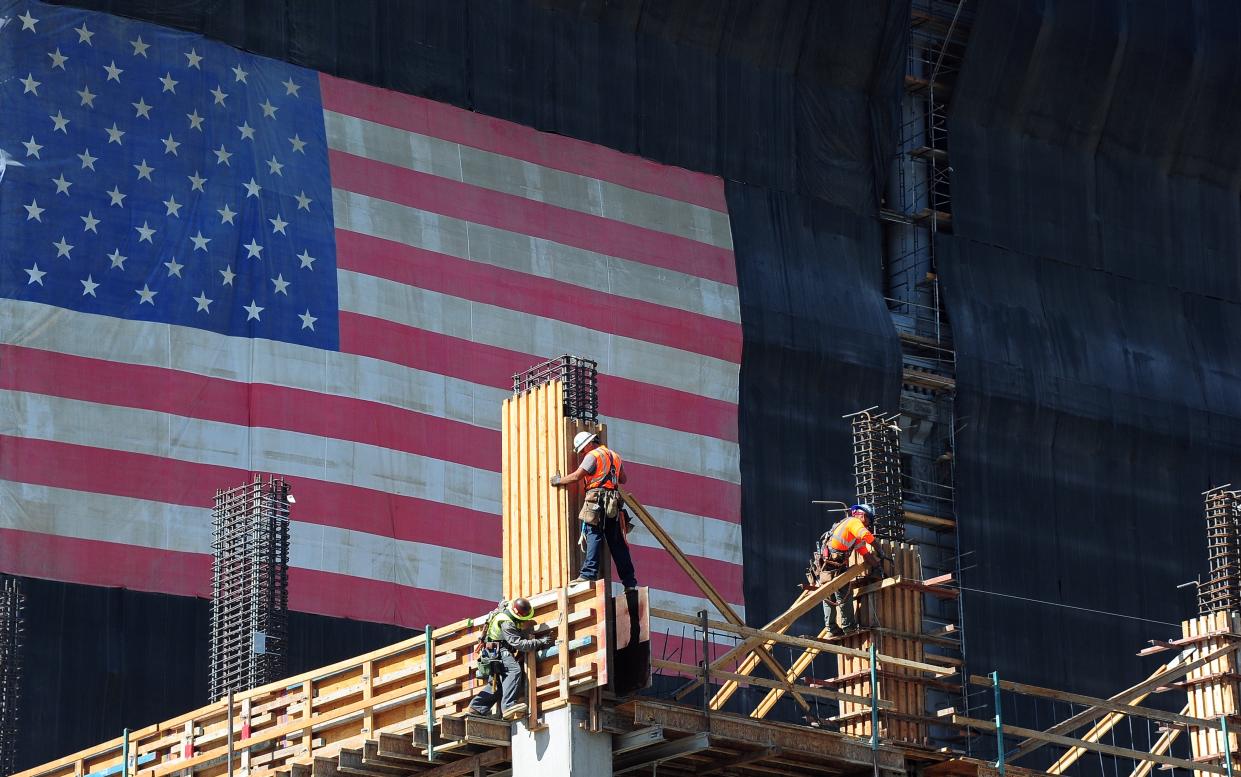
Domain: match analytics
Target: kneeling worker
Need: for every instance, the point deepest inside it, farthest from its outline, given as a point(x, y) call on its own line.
point(601, 515)
point(850, 534)
point(507, 637)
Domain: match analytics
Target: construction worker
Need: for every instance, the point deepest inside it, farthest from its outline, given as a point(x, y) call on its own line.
point(852, 534)
point(603, 471)
point(507, 636)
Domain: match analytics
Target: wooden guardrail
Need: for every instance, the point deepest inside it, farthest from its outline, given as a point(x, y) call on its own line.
point(354, 702)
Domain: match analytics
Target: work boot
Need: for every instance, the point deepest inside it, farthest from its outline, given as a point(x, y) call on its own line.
point(515, 712)
point(579, 579)
point(849, 627)
point(835, 631)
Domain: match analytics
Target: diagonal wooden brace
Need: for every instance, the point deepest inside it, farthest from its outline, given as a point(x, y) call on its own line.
point(708, 590)
point(803, 605)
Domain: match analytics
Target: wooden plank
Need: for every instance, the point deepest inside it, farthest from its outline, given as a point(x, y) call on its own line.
point(506, 508)
point(1170, 671)
point(1049, 738)
point(470, 765)
point(763, 682)
point(776, 627)
point(753, 634)
point(796, 670)
point(562, 641)
point(539, 483)
point(1091, 701)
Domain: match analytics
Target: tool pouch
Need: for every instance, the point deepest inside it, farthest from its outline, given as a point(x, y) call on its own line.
point(488, 655)
point(592, 512)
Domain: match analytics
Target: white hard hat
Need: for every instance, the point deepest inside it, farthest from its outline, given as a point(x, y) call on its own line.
point(581, 440)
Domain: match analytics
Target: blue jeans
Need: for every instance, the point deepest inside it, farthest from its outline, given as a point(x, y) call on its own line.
point(615, 537)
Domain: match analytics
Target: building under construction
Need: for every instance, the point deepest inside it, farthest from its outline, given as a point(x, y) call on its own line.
point(976, 263)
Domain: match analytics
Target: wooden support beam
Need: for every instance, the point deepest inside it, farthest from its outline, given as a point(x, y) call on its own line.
point(1092, 701)
point(468, 765)
point(1169, 671)
point(1049, 738)
point(805, 642)
point(782, 622)
point(762, 682)
point(798, 667)
point(708, 590)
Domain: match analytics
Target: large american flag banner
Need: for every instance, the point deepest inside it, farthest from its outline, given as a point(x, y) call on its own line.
point(213, 264)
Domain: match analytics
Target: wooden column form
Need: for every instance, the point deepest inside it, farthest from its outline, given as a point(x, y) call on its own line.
point(891, 618)
point(1212, 688)
point(539, 522)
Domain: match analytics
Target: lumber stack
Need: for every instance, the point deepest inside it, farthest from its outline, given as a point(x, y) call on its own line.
point(1212, 689)
point(372, 703)
point(891, 619)
point(539, 526)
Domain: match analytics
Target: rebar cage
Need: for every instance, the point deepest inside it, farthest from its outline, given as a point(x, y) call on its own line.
point(1221, 591)
point(12, 604)
point(877, 470)
point(249, 585)
point(580, 380)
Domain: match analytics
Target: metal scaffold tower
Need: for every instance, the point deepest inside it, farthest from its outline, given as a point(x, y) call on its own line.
point(249, 585)
point(877, 470)
point(1221, 591)
point(12, 602)
point(917, 207)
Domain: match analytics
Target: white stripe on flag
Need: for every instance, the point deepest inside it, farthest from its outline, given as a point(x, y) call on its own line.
point(499, 173)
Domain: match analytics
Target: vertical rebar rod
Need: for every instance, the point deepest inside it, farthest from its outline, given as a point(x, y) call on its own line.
point(706, 666)
point(874, 697)
point(230, 732)
point(1223, 724)
point(999, 725)
point(429, 646)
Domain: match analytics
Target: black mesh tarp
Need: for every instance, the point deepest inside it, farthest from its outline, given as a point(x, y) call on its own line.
point(1093, 281)
point(98, 659)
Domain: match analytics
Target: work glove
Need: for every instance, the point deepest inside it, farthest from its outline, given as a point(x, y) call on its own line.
point(556, 479)
point(546, 642)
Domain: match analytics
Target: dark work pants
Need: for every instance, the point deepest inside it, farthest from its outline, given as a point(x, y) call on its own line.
point(512, 678)
point(614, 535)
point(848, 619)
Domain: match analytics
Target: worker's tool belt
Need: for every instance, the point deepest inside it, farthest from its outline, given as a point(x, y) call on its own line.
point(489, 655)
point(600, 506)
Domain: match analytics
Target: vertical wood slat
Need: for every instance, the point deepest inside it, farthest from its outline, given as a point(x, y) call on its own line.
point(898, 610)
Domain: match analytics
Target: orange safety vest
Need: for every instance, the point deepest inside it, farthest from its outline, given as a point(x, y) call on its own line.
point(607, 469)
point(849, 535)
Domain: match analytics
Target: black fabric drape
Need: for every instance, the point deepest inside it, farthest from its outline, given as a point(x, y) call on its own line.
point(1093, 281)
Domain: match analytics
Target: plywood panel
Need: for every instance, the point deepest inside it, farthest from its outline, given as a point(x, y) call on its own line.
point(896, 608)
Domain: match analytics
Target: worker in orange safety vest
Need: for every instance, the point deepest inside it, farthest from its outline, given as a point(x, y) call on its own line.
point(601, 514)
point(850, 535)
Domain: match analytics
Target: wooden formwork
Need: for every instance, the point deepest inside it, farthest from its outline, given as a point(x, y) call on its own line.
point(1212, 689)
point(539, 526)
point(891, 621)
point(377, 700)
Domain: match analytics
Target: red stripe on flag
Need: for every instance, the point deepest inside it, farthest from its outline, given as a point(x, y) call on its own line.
point(248, 404)
point(323, 415)
point(111, 564)
point(439, 120)
point(538, 296)
point(488, 365)
point(529, 217)
point(172, 481)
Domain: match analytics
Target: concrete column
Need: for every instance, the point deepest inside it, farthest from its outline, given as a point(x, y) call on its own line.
point(563, 747)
